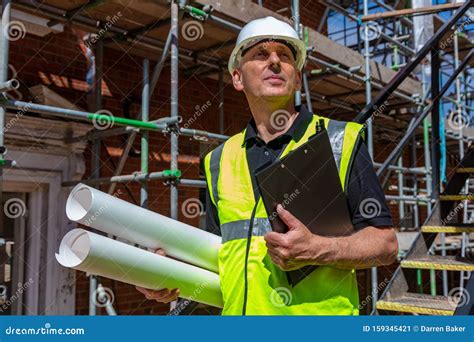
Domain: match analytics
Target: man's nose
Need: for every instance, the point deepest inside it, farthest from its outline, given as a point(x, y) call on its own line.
point(274, 58)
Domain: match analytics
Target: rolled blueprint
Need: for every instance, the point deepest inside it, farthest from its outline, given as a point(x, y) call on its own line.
point(120, 218)
point(100, 255)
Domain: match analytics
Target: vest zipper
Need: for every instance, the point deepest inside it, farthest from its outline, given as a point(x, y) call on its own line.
point(249, 240)
point(247, 251)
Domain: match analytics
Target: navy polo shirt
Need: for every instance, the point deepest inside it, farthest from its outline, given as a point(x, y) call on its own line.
point(363, 186)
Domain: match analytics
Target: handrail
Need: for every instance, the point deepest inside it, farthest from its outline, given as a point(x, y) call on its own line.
point(393, 155)
point(385, 93)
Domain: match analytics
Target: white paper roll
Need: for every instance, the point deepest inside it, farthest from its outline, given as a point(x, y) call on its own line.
point(97, 254)
point(117, 217)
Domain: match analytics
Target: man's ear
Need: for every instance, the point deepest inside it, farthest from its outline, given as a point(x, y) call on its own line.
point(237, 80)
point(299, 82)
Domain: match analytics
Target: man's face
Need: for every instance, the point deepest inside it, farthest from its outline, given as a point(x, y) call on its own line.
point(268, 70)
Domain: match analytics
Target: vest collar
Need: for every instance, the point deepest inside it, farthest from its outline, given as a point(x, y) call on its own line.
point(295, 132)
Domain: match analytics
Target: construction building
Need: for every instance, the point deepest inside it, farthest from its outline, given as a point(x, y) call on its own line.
point(129, 95)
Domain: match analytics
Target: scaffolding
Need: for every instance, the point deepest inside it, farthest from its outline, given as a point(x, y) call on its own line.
point(408, 51)
point(387, 95)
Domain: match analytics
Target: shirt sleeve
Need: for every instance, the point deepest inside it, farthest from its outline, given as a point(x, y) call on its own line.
point(365, 196)
point(212, 219)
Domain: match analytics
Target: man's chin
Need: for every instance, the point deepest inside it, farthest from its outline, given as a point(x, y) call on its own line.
point(276, 93)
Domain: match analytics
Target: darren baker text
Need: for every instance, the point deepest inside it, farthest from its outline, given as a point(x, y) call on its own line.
point(441, 328)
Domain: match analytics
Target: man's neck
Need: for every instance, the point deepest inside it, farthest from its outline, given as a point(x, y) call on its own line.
point(273, 119)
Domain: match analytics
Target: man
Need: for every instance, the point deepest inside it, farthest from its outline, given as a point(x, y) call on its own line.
point(266, 65)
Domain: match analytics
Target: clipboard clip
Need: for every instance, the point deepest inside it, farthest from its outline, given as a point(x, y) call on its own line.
point(320, 126)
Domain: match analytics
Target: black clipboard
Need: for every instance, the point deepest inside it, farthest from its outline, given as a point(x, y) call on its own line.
point(306, 182)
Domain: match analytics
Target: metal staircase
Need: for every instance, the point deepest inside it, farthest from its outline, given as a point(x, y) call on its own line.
point(406, 291)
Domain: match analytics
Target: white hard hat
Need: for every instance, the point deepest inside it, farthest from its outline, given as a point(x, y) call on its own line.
point(270, 29)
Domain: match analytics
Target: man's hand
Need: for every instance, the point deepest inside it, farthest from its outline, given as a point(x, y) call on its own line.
point(296, 248)
point(368, 247)
point(161, 296)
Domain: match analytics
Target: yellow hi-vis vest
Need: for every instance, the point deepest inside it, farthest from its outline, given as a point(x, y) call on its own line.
point(251, 284)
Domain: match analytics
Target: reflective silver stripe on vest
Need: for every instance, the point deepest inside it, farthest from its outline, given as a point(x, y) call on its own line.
point(336, 137)
point(215, 168)
point(240, 229)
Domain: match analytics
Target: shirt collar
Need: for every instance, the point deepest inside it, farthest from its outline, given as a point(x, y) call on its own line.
point(304, 117)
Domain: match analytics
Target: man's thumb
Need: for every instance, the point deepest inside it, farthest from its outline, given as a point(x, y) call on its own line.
point(287, 217)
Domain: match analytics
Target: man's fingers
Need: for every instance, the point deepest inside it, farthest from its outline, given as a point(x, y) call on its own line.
point(276, 260)
point(164, 295)
point(287, 217)
point(275, 256)
point(160, 251)
point(273, 238)
point(160, 293)
point(283, 265)
point(173, 295)
point(141, 289)
point(278, 252)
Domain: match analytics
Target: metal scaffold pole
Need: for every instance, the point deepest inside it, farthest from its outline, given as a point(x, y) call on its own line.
point(95, 103)
point(174, 107)
point(370, 146)
point(401, 184)
point(435, 139)
point(460, 112)
point(221, 101)
point(368, 84)
point(4, 49)
point(295, 9)
point(423, 30)
point(144, 140)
